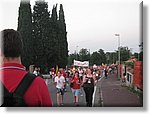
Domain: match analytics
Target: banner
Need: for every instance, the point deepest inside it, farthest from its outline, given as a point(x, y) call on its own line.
point(79, 63)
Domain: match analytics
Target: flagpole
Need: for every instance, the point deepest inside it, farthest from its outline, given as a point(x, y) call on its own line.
point(118, 35)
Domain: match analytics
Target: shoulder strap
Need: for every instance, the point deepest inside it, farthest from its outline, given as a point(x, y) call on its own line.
point(4, 89)
point(24, 84)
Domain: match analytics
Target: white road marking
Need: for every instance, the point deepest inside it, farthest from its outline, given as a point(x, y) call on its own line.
point(94, 95)
point(95, 91)
point(101, 94)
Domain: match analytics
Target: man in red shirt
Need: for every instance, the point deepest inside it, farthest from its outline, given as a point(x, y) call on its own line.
point(13, 71)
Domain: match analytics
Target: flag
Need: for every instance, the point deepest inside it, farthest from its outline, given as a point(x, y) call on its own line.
point(56, 69)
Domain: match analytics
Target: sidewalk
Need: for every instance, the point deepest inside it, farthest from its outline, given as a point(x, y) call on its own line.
point(110, 93)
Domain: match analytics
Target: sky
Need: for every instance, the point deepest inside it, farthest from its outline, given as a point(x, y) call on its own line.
point(90, 24)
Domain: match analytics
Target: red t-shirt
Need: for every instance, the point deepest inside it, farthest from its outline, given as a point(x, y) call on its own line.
point(36, 95)
point(76, 83)
point(64, 74)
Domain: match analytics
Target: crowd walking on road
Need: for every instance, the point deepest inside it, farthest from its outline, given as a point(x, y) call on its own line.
point(81, 82)
point(22, 88)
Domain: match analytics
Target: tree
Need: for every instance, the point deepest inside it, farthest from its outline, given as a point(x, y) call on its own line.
point(141, 52)
point(98, 57)
point(71, 58)
point(124, 54)
point(136, 55)
point(95, 59)
point(25, 28)
point(111, 57)
point(102, 56)
point(62, 39)
point(42, 43)
point(84, 55)
point(44, 35)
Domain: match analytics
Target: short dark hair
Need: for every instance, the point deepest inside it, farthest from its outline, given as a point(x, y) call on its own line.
point(12, 43)
point(77, 72)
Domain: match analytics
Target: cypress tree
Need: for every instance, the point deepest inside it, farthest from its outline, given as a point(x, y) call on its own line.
point(62, 38)
point(54, 60)
point(41, 34)
point(25, 28)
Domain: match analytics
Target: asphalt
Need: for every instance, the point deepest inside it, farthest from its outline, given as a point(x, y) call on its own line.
point(108, 93)
point(68, 97)
point(111, 93)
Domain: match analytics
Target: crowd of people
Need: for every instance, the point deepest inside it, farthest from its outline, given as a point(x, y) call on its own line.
point(24, 89)
point(79, 79)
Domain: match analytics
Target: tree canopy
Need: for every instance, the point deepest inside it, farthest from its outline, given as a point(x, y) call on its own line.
point(44, 35)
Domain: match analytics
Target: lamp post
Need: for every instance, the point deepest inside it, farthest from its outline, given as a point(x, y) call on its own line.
point(118, 35)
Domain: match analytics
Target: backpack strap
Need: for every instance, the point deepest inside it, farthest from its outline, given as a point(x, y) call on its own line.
point(24, 84)
point(3, 89)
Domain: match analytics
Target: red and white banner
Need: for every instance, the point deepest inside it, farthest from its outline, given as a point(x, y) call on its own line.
point(80, 63)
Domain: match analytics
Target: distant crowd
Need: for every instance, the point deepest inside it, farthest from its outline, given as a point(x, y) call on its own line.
point(78, 78)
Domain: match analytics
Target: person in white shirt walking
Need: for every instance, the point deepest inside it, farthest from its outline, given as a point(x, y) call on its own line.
point(59, 83)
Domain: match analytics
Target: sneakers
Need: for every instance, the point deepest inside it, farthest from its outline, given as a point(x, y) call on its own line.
point(81, 95)
point(62, 104)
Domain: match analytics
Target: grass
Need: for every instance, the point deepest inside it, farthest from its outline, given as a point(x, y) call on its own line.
point(138, 93)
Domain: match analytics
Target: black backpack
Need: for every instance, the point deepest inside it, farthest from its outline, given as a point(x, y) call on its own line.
point(15, 99)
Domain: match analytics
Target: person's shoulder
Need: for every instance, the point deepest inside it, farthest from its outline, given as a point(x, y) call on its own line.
point(38, 81)
point(37, 85)
point(85, 75)
point(56, 77)
point(62, 77)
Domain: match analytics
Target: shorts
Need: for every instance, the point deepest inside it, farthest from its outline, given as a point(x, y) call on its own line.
point(61, 91)
point(76, 92)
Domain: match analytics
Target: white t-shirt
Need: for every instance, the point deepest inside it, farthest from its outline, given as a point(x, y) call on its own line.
point(59, 82)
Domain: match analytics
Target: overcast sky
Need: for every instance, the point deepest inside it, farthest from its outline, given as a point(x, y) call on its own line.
point(90, 24)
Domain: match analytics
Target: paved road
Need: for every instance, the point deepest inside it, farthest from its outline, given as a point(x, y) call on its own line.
point(68, 97)
point(108, 93)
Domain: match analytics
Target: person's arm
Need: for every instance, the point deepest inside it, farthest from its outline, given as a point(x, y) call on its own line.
point(72, 80)
point(94, 78)
point(55, 81)
point(80, 82)
point(84, 80)
point(64, 82)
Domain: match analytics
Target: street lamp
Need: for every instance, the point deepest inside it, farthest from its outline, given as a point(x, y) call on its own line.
point(118, 35)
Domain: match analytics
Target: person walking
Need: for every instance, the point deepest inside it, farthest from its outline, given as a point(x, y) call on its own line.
point(59, 83)
point(89, 82)
point(65, 77)
point(15, 75)
point(76, 83)
point(105, 73)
